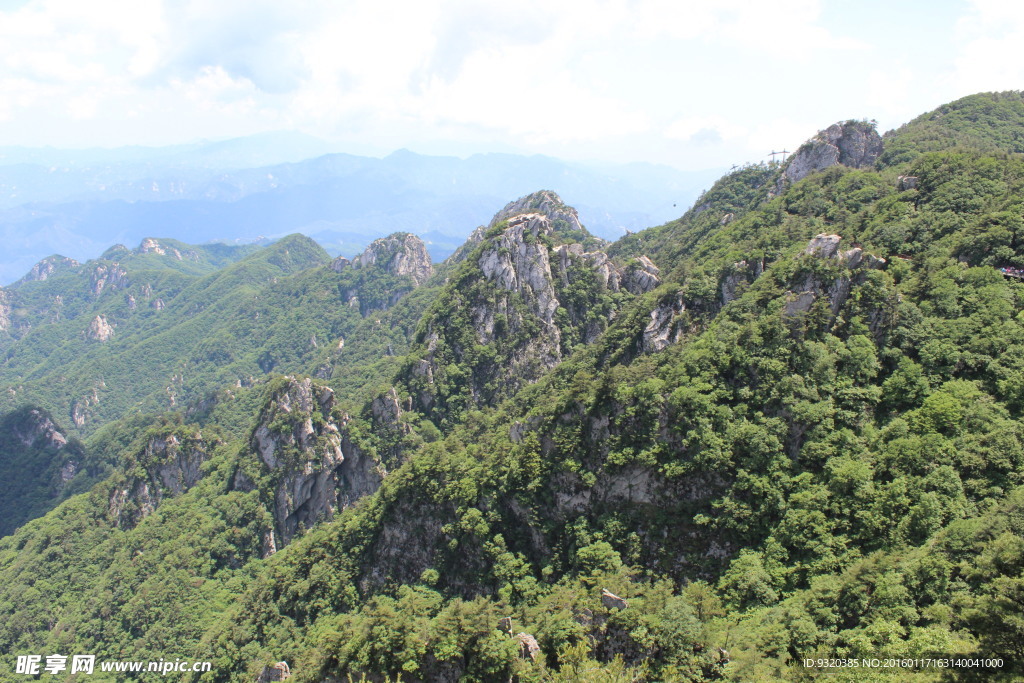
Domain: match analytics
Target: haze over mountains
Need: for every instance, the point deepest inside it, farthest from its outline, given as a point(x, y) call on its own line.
point(786, 427)
point(77, 203)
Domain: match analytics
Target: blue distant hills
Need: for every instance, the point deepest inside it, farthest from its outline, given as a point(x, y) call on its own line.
point(255, 189)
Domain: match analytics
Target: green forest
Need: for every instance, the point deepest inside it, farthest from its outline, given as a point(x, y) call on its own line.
point(778, 435)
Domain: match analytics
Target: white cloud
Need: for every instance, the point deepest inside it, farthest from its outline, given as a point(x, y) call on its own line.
point(581, 76)
point(989, 58)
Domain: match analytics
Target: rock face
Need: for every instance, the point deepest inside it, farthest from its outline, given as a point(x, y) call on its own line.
point(530, 290)
point(663, 330)
point(99, 329)
point(854, 143)
point(38, 429)
point(400, 255)
point(545, 203)
point(47, 267)
point(109, 276)
point(315, 468)
point(518, 261)
point(5, 310)
point(856, 261)
point(171, 465)
point(612, 601)
point(154, 246)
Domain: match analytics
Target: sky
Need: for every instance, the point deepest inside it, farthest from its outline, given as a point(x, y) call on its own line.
point(689, 84)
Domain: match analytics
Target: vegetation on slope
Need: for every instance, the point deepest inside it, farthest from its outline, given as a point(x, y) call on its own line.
point(824, 459)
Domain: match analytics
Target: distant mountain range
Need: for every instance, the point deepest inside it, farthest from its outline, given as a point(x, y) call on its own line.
point(255, 189)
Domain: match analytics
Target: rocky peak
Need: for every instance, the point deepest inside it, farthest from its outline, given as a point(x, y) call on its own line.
point(151, 245)
point(111, 276)
point(399, 254)
point(171, 464)
point(99, 329)
point(518, 262)
point(315, 468)
point(546, 203)
point(854, 143)
point(38, 429)
point(47, 267)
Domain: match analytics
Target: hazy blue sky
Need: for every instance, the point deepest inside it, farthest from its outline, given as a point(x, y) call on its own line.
point(692, 84)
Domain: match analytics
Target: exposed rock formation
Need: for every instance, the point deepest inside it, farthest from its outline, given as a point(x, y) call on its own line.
point(545, 203)
point(823, 246)
point(316, 469)
point(854, 143)
point(111, 276)
point(641, 276)
point(171, 465)
point(804, 294)
point(528, 647)
point(663, 330)
point(154, 246)
point(401, 255)
point(99, 329)
point(530, 298)
point(906, 182)
point(5, 310)
point(518, 262)
point(612, 601)
point(38, 429)
point(47, 267)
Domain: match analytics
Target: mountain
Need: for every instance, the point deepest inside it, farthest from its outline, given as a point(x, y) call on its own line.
point(78, 206)
point(784, 427)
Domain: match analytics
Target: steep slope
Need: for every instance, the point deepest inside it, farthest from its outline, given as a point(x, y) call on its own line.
point(991, 122)
point(518, 297)
point(39, 465)
point(803, 440)
point(769, 448)
point(279, 309)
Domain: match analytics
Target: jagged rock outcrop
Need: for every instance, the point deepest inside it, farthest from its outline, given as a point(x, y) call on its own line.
point(641, 276)
point(38, 429)
point(547, 204)
point(47, 267)
point(518, 261)
point(99, 329)
point(150, 245)
point(171, 464)
point(528, 647)
point(663, 328)
point(612, 601)
point(5, 310)
point(529, 292)
point(401, 255)
point(906, 182)
point(315, 468)
point(110, 276)
point(853, 143)
point(855, 260)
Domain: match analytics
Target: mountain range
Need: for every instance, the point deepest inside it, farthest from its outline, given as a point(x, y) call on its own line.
point(252, 190)
point(778, 437)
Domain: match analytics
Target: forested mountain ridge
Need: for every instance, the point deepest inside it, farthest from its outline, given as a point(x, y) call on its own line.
point(798, 437)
